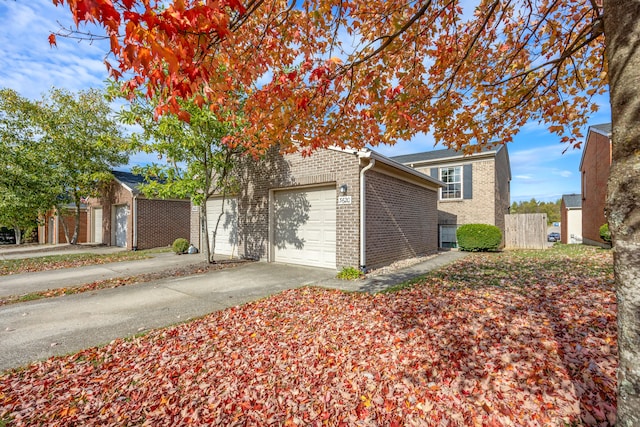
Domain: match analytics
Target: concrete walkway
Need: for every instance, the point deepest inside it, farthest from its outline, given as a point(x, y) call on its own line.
point(40, 329)
point(34, 251)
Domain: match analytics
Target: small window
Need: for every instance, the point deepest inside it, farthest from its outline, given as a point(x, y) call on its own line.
point(448, 236)
point(452, 177)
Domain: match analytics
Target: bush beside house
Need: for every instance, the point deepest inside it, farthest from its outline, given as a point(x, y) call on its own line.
point(478, 237)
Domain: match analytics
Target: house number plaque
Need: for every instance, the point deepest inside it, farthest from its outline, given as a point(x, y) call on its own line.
point(344, 200)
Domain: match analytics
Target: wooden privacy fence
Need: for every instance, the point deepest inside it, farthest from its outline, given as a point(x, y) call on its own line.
point(525, 231)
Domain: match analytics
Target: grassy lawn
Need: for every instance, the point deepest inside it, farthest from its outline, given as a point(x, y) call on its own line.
point(55, 262)
point(514, 338)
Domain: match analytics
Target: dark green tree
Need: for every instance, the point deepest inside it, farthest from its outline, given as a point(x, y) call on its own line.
point(82, 142)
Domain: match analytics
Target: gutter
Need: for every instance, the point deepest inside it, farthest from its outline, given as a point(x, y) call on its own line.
point(372, 162)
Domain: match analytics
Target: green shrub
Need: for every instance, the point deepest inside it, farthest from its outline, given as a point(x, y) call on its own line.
point(605, 234)
point(180, 245)
point(349, 273)
point(478, 237)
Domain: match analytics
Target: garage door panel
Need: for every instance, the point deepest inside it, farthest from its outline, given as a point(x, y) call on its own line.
point(97, 225)
point(121, 215)
point(305, 226)
point(227, 233)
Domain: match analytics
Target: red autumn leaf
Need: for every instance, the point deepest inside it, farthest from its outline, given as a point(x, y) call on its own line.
point(495, 339)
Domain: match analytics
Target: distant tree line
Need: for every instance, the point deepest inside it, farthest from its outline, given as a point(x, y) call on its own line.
point(552, 209)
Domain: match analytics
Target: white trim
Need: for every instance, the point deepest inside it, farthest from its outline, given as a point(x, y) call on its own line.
point(390, 162)
point(271, 249)
point(445, 183)
point(461, 157)
point(272, 218)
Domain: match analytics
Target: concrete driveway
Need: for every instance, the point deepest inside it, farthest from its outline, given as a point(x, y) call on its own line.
point(36, 330)
point(56, 326)
point(21, 284)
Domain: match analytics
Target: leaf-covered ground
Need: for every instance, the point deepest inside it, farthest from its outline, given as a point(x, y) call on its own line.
point(518, 338)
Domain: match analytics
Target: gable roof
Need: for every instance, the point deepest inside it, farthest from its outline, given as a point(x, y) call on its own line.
point(572, 201)
point(445, 154)
point(367, 153)
point(601, 129)
point(130, 181)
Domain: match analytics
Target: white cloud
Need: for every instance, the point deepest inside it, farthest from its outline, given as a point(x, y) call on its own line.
point(30, 66)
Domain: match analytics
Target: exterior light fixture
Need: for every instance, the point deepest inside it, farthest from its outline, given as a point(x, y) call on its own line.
point(343, 189)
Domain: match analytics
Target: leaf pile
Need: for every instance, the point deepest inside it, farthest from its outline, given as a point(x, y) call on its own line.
point(495, 339)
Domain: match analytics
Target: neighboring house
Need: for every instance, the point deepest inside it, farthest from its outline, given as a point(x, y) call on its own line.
point(476, 187)
point(594, 168)
point(124, 217)
point(51, 230)
point(337, 208)
point(571, 218)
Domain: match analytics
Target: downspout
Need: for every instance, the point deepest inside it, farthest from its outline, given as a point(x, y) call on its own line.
point(372, 162)
point(135, 222)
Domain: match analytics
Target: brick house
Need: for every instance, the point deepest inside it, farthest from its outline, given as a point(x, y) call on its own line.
point(124, 217)
point(571, 218)
point(476, 187)
point(337, 208)
point(594, 169)
point(51, 230)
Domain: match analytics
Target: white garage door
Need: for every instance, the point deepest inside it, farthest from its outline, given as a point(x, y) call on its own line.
point(305, 226)
point(97, 225)
point(122, 212)
point(227, 233)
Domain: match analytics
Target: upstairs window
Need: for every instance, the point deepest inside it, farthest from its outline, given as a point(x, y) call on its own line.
point(452, 177)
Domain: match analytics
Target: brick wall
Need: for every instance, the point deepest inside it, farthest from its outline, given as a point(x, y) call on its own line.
point(401, 219)
point(51, 231)
point(160, 222)
point(115, 195)
point(596, 163)
point(70, 222)
point(481, 208)
point(194, 227)
point(563, 222)
point(275, 171)
point(502, 188)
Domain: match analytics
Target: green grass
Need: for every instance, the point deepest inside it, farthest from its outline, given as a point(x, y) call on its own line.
point(503, 269)
point(55, 262)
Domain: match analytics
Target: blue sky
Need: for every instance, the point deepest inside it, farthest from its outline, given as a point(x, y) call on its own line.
point(29, 66)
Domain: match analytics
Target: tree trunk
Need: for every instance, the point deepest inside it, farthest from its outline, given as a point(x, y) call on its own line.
point(18, 234)
point(76, 228)
point(65, 228)
point(622, 32)
point(204, 231)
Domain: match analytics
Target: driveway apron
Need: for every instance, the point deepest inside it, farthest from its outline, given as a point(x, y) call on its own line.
point(56, 326)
